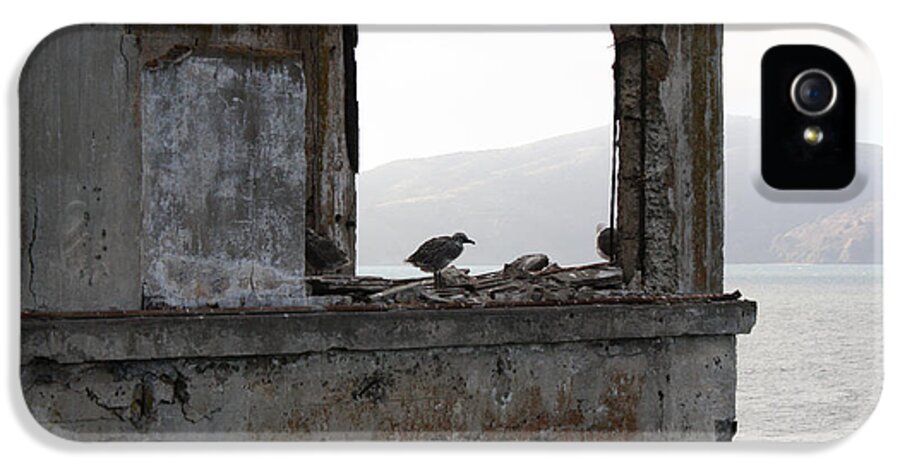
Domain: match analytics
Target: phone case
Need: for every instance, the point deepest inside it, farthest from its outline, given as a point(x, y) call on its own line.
point(261, 232)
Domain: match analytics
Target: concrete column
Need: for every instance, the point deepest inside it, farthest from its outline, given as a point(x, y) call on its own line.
point(80, 172)
point(332, 150)
point(668, 110)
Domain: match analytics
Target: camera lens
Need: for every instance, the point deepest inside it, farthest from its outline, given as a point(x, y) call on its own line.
point(813, 92)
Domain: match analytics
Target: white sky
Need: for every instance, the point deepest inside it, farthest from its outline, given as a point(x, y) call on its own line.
point(429, 92)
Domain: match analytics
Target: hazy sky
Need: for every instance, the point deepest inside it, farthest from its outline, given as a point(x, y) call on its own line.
point(426, 93)
point(429, 92)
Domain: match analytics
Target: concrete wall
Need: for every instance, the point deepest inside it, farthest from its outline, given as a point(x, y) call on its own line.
point(668, 107)
point(80, 173)
point(660, 371)
point(332, 145)
point(224, 176)
point(181, 166)
point(111, 114)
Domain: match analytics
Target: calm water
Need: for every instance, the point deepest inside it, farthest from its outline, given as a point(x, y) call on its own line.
point(811, 368)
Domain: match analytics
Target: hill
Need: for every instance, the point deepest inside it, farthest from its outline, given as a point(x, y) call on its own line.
point(548, 197)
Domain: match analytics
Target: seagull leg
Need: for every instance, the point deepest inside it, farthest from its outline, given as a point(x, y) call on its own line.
point(438, 281)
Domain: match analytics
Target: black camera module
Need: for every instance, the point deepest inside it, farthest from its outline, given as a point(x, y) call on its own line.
point(808, 119)
point(813, 92)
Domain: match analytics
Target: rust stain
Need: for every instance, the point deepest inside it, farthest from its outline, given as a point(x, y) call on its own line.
point(705, 115)
point(298, 422)
point(255, 53)
point(265, 387)
point(657, 60)
point(528, 414)
point(179, 52)
point(568, 413)
point(621, 400)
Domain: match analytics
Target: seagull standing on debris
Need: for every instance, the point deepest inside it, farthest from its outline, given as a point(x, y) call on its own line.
point(322, 253)
point(605, 241)
point(437, 252)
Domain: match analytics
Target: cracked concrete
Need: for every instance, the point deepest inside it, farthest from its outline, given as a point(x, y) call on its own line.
point(79, 173)
point(410, 394)
point(30, 255)
point(581, 373)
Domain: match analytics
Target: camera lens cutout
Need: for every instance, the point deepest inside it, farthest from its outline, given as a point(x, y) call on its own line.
point(808, 119)
point(813, 92)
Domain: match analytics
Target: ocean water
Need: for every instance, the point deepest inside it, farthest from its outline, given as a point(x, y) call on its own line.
point(811, 368)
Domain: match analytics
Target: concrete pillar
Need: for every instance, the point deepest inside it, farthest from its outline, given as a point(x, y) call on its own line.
point(80, 172)
point(333, 150)
point(668, 110)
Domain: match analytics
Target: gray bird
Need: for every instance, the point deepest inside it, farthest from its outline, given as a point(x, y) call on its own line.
point(322, 253)
point(606, 241)
point(437, 252)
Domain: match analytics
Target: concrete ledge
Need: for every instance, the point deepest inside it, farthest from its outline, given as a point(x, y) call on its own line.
point(77, 340)
point(660, 370)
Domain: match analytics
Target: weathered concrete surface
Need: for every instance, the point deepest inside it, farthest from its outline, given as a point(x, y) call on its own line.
point(329, 65)
point(333, 163)
point(224, 177)
point(85, 339)
point(668, 107)
point(80, 173)
point(81, 135)
point(616, 372)
point(621, 372)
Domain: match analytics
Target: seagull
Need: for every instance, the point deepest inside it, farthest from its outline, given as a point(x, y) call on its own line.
point(322, 253)
point(606, 241)
point(436, 253)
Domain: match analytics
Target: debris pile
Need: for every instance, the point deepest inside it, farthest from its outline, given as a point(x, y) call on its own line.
point(529, 278)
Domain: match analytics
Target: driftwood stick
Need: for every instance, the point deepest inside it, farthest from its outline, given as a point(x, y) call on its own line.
point(506, 287)
point(434, 297)
point(399, 289)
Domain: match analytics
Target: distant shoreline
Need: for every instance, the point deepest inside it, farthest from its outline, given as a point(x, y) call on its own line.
point(500, 264)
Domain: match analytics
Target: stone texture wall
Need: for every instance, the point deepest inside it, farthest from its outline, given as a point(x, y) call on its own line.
point(659, 371)
point(332, 147)
point(668, 109)
point(224, 171)
point(107, 110)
